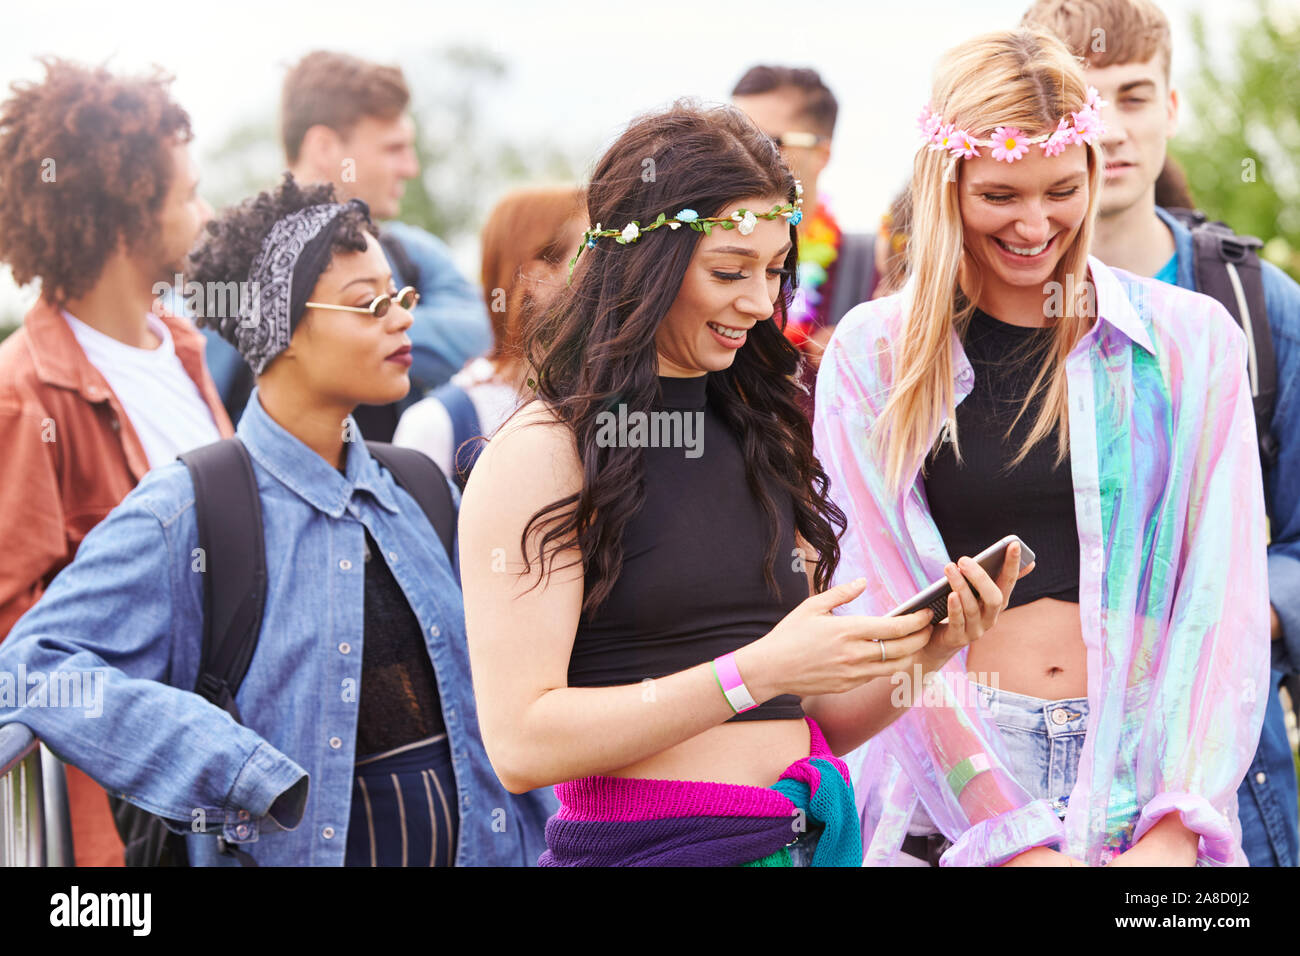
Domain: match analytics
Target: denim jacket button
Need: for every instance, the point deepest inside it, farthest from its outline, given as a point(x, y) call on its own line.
point(336, 743)
point(242, 830)
point(392, 555)
point(435, 631)
point(345, 565)
point(328, 833)
point(345, 648)
point(243, 814)
point(1261, 777)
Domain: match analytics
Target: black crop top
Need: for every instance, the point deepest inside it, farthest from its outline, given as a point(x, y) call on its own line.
point(980, 502)
point(692, 585)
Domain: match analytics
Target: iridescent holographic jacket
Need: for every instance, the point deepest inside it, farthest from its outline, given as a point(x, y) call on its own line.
point(1173, 589)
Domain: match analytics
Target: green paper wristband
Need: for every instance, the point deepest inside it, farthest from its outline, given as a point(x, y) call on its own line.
point(966, 771)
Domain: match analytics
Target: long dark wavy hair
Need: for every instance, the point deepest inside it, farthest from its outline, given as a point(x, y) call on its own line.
point(595, 349)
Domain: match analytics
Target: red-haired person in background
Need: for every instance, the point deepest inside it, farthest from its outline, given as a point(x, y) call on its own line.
point(526, 244)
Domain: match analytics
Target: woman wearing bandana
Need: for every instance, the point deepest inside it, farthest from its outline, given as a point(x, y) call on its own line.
point(1017, 386)
point(359, 741)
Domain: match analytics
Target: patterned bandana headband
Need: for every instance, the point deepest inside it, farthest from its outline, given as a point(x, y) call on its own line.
point(1009, 143)
point(292, 256)
point(743, 220)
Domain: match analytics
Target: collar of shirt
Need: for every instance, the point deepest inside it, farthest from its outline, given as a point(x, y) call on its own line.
point(59, 361)
point(1114, 309)
point(306, 473)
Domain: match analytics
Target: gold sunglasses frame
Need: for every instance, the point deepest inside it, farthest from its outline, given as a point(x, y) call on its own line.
point(374, 303)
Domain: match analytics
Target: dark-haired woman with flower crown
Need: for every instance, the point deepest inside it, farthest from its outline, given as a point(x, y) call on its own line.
point(639, 543)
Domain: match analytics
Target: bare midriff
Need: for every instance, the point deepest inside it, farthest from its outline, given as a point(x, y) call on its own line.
point(753, 752)
point(1036, 649)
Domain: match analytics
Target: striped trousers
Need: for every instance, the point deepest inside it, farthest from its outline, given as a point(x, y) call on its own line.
point(404, 807)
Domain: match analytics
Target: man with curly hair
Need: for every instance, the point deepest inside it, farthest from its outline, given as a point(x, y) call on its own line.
point(99, 203)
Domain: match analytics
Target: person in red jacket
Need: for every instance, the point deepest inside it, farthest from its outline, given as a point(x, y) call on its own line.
point(99, 203)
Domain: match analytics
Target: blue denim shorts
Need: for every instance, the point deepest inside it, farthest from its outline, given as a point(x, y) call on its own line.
point(1043, 741)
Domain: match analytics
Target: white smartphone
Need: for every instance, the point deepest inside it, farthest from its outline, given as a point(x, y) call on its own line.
point(935, 596)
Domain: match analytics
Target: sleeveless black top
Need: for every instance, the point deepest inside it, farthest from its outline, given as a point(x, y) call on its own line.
point(692, 585)
point(980, 501)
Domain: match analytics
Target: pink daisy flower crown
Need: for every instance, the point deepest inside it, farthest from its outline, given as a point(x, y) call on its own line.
point(1009, 143)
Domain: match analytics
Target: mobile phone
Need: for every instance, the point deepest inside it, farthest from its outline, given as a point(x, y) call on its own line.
point(935, 595)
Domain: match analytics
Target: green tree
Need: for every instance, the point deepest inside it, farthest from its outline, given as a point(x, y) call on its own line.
point(1242, 149)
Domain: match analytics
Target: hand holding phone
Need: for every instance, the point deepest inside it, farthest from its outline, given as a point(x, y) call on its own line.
point(991, 559)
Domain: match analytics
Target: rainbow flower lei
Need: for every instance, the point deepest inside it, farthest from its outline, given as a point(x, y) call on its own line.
point(819, 248)
point(1008, 142)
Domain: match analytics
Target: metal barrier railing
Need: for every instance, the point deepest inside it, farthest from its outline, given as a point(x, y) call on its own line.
point(35, 828)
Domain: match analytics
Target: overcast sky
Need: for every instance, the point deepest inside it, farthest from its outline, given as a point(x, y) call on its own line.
point(578, 71)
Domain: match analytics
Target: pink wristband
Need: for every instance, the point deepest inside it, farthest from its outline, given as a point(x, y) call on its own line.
point(733, 688)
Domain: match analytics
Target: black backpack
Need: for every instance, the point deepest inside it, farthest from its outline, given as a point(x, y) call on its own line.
point(1227, 268)
point(228, 510)
point(467, 441)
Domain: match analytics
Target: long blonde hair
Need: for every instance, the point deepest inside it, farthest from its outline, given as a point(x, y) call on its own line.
point(1024, 78)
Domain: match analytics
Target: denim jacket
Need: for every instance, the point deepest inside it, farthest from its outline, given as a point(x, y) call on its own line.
point(1270, 825)
point(123, 625)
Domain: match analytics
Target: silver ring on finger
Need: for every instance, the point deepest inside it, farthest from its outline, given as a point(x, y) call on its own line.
point(883, 658)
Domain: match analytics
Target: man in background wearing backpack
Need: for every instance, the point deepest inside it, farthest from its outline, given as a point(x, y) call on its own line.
point(1126, 45)
point(344, 121)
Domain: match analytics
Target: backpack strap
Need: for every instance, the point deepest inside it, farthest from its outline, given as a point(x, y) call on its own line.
point(1191, 218)
point(855, 274)
point(408, 273)
point(228, 510)
point(1228, 269)
point(424, 481)
point(466, 432)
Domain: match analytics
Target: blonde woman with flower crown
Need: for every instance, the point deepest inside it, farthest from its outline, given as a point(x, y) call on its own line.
point(1017, 386)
